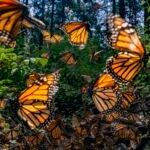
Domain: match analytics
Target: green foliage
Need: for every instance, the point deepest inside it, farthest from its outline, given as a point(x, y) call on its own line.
point(17, 65)
point(14, 68)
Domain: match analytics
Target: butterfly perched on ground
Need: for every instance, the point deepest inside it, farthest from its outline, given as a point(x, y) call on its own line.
point(69, 58)
point(78, 32)
point(112, 116)
point(47, 37)
point(13, 15)
point(36, 102)
point(13, 133)
point(123, 131)
point(105, 94)
point(128, 62)
point(54, 128)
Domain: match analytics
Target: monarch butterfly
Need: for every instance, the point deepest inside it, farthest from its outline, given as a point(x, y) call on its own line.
point(54, 128)
point(95, 56)
point(45, 55)
point(32, 78)
point(127, 63)
point(34, 140)
point(69, 58)
point(77, 31)
point(87, 78)
point(84, 88)
point(128, 98)
point(13, 133)
point(36, 102)
point(51, 38)
point(105, 94)
point(112, 116)
point(13, 15)
point(135, 118)
point(80, 129)
point(3, 103)
point(124, 131)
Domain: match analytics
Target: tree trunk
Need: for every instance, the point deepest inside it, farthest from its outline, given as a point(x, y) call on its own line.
point(52, 16)
point(146, 21)
point(122, 8)
point(114, 7)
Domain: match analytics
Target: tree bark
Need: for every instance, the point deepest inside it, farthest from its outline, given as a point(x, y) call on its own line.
point(114, 7)
point(122, 8)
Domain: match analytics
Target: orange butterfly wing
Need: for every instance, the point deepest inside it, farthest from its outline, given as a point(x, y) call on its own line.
point(124, 36)
point(125, 65)
point(36, 102)
point(128, 99)
point(105, 94)
point(125, 132)
point(69, 58)
point(12, 16)
point(112, 116)
point(77, 32)
point(51, 38)
point(54, 128)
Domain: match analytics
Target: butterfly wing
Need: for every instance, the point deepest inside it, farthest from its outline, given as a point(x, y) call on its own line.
point(112, 116)
point(51, 38)
point(54, 128)
point(125, 132)
point(124, 66)
point(36, 102)
point(35, 113)
point(12, 15)
point(69, 58)
point(128, 98)
point(105, 94)
point(123, 36)
point(127, 64)
point(77, 32)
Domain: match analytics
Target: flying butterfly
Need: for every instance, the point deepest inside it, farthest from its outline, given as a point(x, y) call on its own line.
point(46, 55)
point(36, 101)
point(126, 64)
point(77, 31)
point(128, 99)
point(95, 56)
point(32, 78)
point(3, 103)
point(13, 15)
point(47, 37)
point(105, 94)
point(68, 58)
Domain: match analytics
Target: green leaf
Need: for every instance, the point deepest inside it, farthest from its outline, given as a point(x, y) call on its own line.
point(43, 61)
point(148, 10)
point(6, 50)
